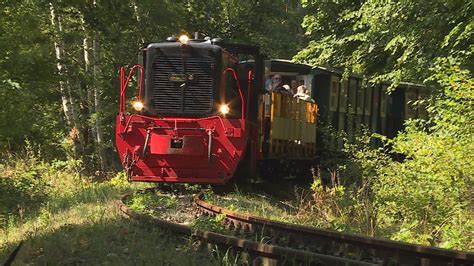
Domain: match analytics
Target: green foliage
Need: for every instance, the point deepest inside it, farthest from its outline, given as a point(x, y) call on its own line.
point(28, 183)
point(395, 41)
point(120, 180)
point(343, 200)
point(22, 187)
point(432, 188)
point(29, 106)
point(273, 25)
point(426, 196)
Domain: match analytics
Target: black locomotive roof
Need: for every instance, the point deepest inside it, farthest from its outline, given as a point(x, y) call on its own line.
point(165, 45)
point(207, 45)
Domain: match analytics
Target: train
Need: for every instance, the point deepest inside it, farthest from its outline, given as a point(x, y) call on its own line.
point(203, 113)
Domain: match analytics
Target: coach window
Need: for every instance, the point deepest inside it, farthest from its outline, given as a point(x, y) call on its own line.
point(368, 100)
point(375, 107)
point(343, 97)
point(383, 101)
point(352, 95)
point(410, 99)
point(334, 93)
point(423, 95)
point(360, 98)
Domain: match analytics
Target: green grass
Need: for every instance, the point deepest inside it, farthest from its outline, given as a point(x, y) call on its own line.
point(299, 210)
point(146, 203)
point(259, 205)
point(77, 222)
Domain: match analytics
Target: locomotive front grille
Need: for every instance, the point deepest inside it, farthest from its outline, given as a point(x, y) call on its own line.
point(182, 98)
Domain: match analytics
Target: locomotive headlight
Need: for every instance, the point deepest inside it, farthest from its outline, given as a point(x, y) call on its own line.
point(184, 39)
point(138, 106)
point(224, 109)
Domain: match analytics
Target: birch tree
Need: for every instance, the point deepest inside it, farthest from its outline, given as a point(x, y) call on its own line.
point(67, 98)
point(68, 107)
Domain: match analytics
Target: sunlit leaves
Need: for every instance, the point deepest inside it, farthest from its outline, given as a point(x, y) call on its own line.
point(378, 37)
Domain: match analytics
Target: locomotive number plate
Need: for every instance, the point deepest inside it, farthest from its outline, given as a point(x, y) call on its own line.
point(175, 77)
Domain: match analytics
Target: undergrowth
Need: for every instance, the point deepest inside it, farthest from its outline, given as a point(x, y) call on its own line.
point(64, 217)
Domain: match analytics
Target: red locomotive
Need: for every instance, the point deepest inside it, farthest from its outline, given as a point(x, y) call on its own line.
point(202, 116)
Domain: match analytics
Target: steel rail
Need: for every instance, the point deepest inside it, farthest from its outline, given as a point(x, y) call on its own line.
point(385, 250)
point(266, 254)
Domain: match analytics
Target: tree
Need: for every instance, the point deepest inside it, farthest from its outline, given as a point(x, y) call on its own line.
point(27, 70)
point(273, 25)
point(391, 41)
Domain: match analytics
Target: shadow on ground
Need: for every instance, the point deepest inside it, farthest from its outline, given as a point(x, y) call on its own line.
point(117, 241)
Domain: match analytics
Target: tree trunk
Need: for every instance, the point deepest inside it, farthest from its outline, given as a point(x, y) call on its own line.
point(97, 105)
point(93, 91)
point(85, 98)
point(67, 98)
point(64, 89)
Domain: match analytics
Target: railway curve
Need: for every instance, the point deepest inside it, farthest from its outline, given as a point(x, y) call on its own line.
point(296, 244)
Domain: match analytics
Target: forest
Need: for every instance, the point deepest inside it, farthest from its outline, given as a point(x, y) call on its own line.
point(59, 89)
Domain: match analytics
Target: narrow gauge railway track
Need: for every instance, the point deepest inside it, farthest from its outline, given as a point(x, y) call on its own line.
point(301, 245)
point(349, 246)
point(256, 253)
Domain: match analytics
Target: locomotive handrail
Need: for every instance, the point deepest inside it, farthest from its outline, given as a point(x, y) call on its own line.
point(124, 84)
point(229, 69)
point(127, 124)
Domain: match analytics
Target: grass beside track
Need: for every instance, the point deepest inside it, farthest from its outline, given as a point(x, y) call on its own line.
point(80, 224)
point(265, 206)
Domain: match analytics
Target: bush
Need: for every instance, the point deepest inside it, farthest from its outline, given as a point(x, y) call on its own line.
point(426, 198)
point(344, 199)
point(22, 187)
point(26, 183)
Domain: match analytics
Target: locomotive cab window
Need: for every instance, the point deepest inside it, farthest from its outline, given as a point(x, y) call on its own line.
point(230, 103)
point(231, 97)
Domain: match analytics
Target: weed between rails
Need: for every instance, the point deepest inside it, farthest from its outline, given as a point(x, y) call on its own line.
point(259, 205)
point(175, 208)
